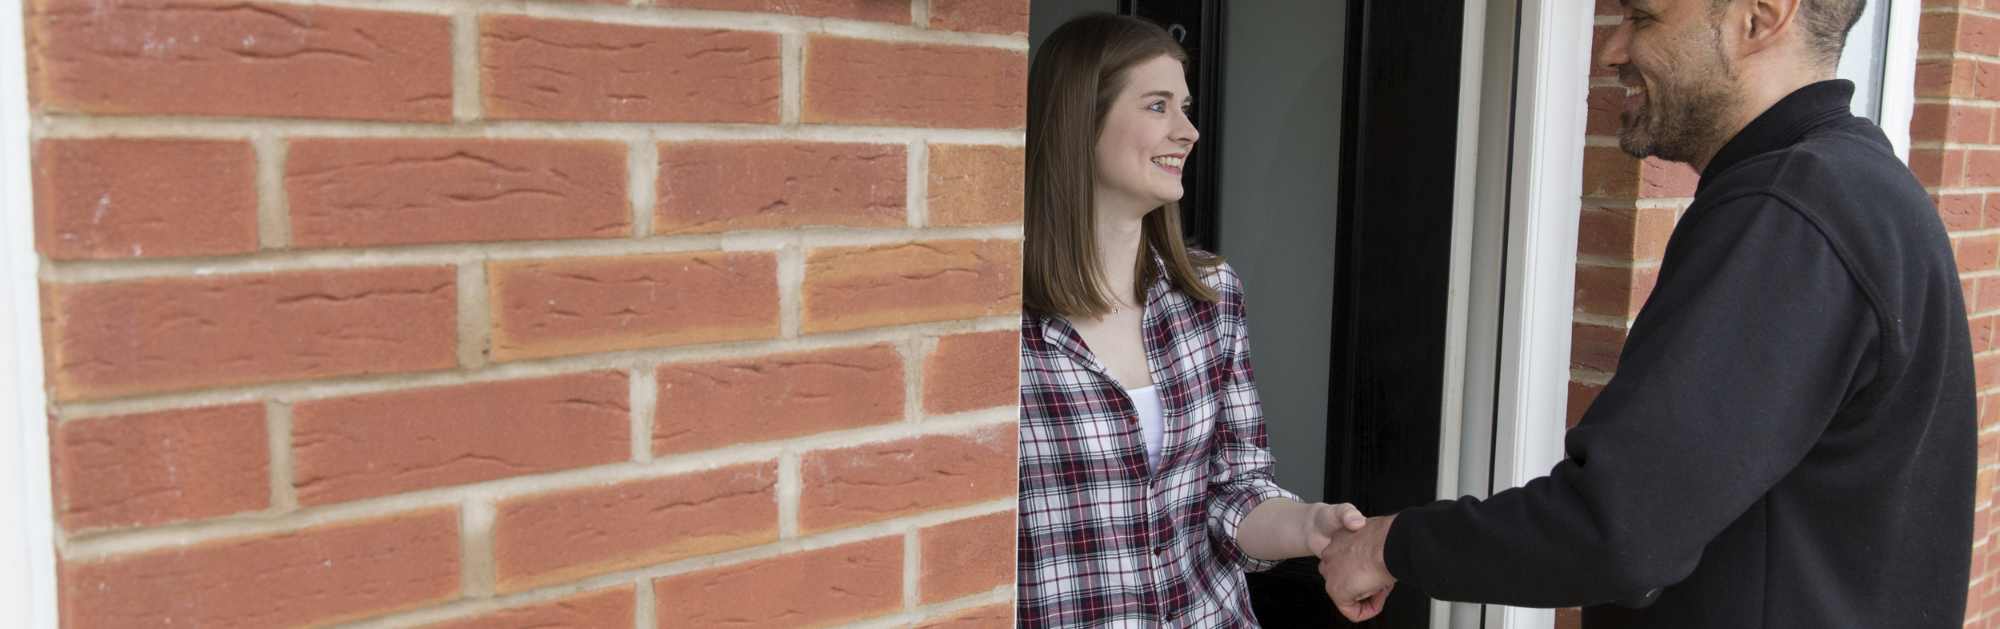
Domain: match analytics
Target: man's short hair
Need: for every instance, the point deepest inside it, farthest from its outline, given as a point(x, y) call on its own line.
point(1827, 23)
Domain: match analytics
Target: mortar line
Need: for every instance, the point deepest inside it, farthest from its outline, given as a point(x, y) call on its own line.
point(274, 218)
point(645, 406)
point(67, 125)
point(642, 171)
point(791, 78)
point(912, 570)
point(789, 490)
point(475, 316)
point(72, 272)
point(467, 83)
point(914, 350)
point(917, 180)
point(284, 467)
point(920, 13)
point(791, 284)
point(645, 608)
point(476, 546)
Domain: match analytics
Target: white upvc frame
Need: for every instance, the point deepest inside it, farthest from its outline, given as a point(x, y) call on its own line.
point(1523, 89)
point(1899, 73)
point(27, 535)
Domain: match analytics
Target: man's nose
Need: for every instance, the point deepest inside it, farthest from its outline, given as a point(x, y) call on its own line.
point(1616, 50)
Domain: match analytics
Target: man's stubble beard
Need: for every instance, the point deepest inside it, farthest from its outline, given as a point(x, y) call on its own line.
point(1687, 103)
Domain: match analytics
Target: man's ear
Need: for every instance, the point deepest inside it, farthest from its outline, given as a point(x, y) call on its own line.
point(1764, 23)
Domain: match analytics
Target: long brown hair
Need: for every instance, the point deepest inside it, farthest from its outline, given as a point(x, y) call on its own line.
point(1076, 74)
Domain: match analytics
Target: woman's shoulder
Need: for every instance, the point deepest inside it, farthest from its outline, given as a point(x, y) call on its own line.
point(1220, 277)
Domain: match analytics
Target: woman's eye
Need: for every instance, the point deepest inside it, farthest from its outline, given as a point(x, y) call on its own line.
point(1159, 107)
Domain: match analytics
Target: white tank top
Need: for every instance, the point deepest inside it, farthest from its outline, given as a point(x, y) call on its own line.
point(1152, 421)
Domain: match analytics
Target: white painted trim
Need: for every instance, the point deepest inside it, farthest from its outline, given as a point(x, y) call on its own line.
point(27, 534)
point(1552, 83)
point(1899, 73)
point(1471, 75)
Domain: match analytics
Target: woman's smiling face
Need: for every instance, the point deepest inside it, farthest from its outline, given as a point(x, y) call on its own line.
point(1145, 140)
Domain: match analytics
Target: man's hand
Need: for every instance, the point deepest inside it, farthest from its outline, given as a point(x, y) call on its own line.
point(1356, 579)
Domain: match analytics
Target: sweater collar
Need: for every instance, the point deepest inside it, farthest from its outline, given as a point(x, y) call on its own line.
point(1783, 124)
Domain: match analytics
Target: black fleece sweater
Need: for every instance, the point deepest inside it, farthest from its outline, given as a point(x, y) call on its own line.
point(1791, 437)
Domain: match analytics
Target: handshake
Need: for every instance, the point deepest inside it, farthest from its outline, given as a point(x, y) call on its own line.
point(1349, 547)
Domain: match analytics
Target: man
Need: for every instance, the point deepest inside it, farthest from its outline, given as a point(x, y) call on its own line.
point(1791, 437)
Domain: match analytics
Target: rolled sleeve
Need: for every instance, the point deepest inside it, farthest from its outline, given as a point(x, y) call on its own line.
point(1240, 476)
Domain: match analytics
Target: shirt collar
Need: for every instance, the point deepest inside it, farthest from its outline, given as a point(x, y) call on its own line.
point(1783, 124)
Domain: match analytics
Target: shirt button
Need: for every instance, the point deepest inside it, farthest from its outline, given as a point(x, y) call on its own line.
point(1132, 420)
point(1158, 550)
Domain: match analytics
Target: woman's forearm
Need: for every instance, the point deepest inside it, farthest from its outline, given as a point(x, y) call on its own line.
point(1282, 528)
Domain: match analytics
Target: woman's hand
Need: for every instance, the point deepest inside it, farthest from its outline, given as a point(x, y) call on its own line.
point(1330, 519)
point(1282, 528)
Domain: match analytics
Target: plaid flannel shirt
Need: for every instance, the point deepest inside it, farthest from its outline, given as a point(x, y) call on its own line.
point(1106, 542)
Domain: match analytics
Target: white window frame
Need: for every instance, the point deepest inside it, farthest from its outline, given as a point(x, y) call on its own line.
point(27, 520)
point(1899, 73)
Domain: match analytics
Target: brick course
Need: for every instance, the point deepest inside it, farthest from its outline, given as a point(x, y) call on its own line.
point(474, 315)
point(124, 198)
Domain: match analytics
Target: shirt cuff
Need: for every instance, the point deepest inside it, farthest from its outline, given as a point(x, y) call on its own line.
point(1395, 547)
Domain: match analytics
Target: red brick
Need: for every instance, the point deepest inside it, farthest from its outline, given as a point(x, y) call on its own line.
point(1985, 81)
point(365, 192)
point(603, 609)
point(1982, 333)
point(567, 535)
point(969, 372)
point(1613, 291)
point(1986, 371)
point(130, 198)
point(1973, 125)
point(1604, 104)
point(975, 185)
point(714, 404)
point(1977, 34)
point(1002, 17)
point(147, 336)
point(1989, 295)
point(1930, 122)
point(391, 443)
point(1960, 211)
point(316, 576)
point(1581, 395)
point(1609, 7)
point(707, 187)
point(1938, 32)
point(188, 57)
point(1609, 172)
point(967, 557)
point(1625, 233)
point(1977, 253)
point(560, 70)
point(848, 81)
point(1944, 77)
point(815, 588)
point(989, 617)
point(154, 468)
point(1938, 167)
point(879, 481)
point(1982, 168)
point(1595, 347)
point(848, 288)
point(1569, 618)
point(587, 305)
point(871, 10)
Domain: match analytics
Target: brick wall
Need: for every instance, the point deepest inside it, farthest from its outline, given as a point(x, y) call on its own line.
point(1629, 209)
point(455, 313)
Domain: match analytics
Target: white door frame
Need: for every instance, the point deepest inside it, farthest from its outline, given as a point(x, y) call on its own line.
point(1523, 87)
point(27, 521)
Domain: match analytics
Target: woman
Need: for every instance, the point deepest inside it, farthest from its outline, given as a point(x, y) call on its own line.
point(1146, 486)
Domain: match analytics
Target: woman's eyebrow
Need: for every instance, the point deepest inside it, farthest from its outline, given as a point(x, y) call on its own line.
point(1160, 93)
